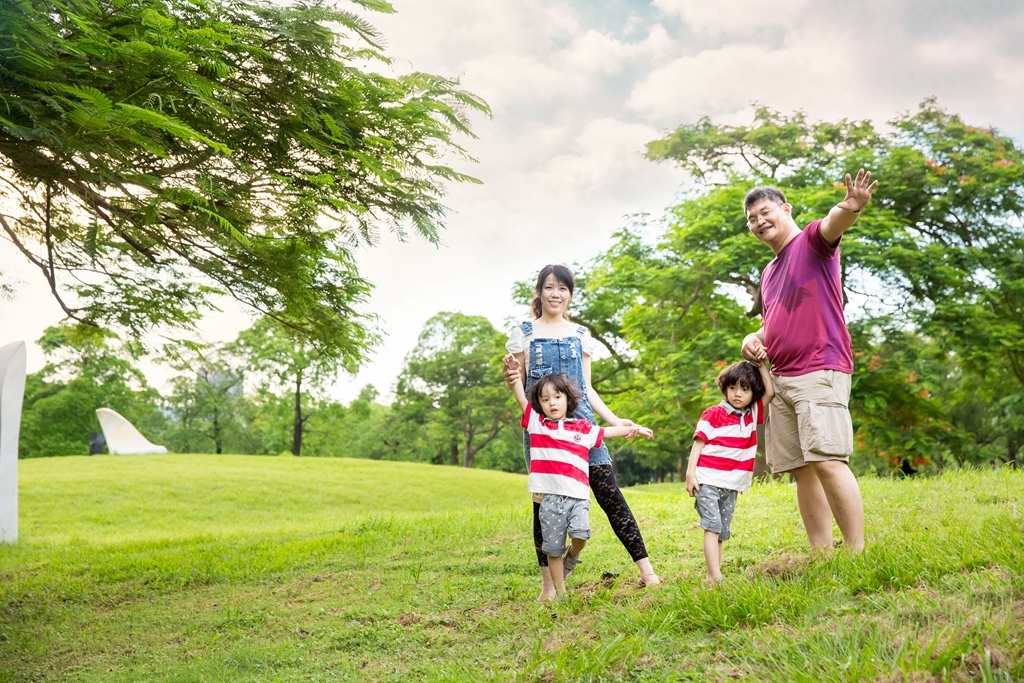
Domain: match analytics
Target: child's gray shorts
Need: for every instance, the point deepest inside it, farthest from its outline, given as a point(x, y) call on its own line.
point(561, 516)
point(715, 507)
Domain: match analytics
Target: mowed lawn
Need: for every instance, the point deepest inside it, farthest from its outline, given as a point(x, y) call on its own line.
point(239, 568)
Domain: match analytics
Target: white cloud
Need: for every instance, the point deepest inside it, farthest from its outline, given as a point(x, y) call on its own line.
point(735, 17)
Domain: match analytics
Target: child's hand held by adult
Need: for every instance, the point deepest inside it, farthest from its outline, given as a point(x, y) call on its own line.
point(510, 367)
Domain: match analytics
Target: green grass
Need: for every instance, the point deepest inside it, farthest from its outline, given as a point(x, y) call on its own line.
point(234, 568)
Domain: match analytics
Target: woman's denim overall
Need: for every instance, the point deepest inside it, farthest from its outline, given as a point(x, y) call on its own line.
point(560, 357)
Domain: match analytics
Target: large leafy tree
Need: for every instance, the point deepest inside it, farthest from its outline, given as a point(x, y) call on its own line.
point(154, 152)
point(452, 385)
point(935, 261)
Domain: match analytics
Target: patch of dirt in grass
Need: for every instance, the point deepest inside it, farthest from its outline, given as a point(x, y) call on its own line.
point(589, 589)
point(407, 619)
point(783, 567)
point(306, 590)
point(494, 610)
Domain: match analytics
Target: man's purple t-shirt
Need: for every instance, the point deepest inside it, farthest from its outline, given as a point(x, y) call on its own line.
point(804, 326)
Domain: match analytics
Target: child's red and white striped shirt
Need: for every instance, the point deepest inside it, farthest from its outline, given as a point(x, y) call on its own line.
point(559, 452)
point(730, 444)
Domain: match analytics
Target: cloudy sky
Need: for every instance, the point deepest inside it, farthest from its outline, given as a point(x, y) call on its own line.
point(578, 86)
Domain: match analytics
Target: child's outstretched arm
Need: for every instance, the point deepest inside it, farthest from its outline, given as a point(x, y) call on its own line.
point(769, 388)
point(628, 431)
point(514, 380)
point(691, 467)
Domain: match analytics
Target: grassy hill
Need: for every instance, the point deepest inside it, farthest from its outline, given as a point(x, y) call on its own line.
point(236, 568)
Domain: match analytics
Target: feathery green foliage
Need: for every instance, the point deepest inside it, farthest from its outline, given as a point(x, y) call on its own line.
point(159, 151)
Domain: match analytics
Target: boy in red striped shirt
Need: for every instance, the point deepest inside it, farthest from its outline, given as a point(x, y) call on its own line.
point(559, 469)
point(721, 461)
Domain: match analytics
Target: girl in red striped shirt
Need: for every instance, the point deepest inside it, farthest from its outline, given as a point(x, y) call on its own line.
point(559, 448)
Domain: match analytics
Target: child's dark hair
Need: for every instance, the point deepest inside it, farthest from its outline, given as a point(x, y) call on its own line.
point(747, 375)
point(561, 273)
point(561, 384)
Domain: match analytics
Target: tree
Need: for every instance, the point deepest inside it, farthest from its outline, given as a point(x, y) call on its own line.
point(452, 385)
point(205, 402)
point(939, 254)
point(161, 151)
point(286, 360)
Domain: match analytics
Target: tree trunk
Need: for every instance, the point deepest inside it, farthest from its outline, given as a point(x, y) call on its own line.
point(455, 452)
point(218, 439)
point(297, 418)
point(471, 452)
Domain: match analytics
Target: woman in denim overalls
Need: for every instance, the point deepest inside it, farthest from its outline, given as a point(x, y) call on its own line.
point(551, 344)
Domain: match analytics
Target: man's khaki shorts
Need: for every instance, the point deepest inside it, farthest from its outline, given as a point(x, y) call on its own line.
point(809, 420)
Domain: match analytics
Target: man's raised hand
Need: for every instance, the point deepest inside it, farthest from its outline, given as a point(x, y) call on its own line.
point(858, 191)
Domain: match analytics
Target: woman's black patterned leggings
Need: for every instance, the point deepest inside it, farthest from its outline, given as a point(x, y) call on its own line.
point(609, 497)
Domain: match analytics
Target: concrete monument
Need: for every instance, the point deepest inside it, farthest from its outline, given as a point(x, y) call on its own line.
point(122, 436)
point(12, 394)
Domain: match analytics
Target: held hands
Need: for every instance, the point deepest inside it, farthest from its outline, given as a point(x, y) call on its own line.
point(511, 369)
point(753, 349)
point(635, 429)
point(858, 192)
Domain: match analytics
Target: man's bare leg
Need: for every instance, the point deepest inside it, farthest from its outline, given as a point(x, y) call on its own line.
point(843, 495)
point(814, 507)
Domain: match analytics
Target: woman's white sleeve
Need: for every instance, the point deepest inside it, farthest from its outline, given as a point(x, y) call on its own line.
point(589, 343)
point(515, 340)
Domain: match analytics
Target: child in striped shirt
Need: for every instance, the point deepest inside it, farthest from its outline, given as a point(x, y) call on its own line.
point(559, 447)
point(721, 461)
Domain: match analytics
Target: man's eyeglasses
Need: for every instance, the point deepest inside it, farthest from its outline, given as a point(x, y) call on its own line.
point(752, 220)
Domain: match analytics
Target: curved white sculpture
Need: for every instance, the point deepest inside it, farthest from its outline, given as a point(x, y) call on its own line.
point(12, 394)
point(122, 436)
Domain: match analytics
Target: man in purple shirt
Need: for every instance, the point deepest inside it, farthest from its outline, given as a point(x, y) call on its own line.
point(804, 336)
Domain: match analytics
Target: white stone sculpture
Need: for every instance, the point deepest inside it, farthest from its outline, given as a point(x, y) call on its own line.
point(122, 436)
point(12, 393)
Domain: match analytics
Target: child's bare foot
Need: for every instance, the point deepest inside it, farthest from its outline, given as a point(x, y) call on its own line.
point(711, 580)
point(547, 595)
